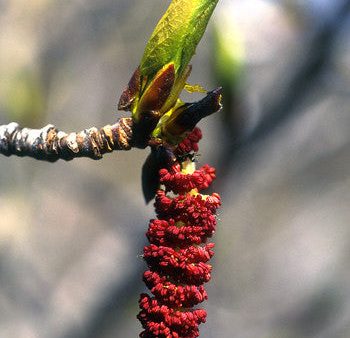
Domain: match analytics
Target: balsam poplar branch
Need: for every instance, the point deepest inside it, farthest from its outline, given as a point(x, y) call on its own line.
point(51, 144)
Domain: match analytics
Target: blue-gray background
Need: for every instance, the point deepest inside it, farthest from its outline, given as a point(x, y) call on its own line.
point(71, 234)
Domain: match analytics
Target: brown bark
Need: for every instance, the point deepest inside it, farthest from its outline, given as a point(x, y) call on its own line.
point(51, 144)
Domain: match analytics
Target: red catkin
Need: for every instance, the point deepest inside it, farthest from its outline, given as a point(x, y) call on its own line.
point(178, 253)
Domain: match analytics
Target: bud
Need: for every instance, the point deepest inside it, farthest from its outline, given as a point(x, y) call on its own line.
point(154, 89)
point(174, 127)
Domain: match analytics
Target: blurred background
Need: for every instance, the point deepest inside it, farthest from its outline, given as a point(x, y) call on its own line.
point(71, 234)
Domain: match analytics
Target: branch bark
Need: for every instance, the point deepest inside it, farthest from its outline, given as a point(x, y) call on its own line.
point(50, 144)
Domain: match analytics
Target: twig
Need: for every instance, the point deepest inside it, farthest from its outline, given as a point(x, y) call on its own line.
point(51, 144)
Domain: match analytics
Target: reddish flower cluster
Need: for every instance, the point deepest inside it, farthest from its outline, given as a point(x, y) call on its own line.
point(178, 254)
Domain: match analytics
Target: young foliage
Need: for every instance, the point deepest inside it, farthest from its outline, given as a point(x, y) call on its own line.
point(152, 94)
point(177, 35)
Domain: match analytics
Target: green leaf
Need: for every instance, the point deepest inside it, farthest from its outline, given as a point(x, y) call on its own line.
point(177, 35)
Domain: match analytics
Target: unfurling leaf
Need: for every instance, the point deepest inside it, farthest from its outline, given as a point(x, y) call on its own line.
point(177, 35)
point(154, 89)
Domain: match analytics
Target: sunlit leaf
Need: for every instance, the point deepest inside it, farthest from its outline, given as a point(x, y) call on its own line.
point(177, 35)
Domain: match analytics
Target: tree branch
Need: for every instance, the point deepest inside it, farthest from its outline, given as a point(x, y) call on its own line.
point(51, 144)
